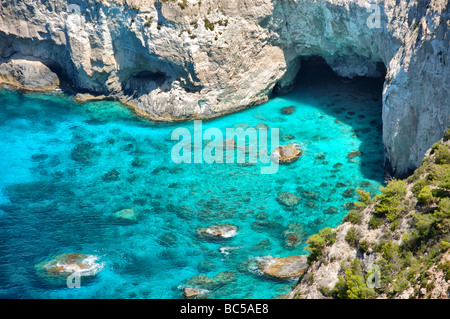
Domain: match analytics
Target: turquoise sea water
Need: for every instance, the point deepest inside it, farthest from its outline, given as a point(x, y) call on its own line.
point(53, 199)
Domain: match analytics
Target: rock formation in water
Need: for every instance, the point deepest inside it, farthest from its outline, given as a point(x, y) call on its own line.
point(184, 59)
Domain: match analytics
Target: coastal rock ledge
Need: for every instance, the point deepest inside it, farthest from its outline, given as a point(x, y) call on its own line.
point(197, 59)
point(285, 268)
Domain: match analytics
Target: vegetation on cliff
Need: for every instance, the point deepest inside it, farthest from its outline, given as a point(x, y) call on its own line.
point(412, 251)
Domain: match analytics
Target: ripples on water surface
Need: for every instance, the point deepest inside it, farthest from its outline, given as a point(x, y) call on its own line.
point(54, 153)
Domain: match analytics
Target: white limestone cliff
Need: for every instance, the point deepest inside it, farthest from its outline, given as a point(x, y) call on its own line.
point(184, 59)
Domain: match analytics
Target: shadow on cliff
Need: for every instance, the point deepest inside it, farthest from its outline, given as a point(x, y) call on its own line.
point(366, 120)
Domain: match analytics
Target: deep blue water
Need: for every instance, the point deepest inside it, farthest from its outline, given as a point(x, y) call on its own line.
point(52, 204)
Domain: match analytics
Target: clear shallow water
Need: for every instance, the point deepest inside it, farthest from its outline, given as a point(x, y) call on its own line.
point(51, 204)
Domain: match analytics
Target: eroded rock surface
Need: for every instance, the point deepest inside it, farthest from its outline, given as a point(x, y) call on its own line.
point(206, 58)
point(285, 268)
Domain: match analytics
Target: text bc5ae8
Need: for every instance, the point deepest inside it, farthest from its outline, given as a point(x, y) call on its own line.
point(246, 308)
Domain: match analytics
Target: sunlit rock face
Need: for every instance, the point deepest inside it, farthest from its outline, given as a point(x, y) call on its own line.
point(178, 60)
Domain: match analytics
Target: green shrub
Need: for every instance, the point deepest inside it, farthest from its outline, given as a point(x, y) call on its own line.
point(443, 155)
point(447, 135)
point(445, 267)
point(424, 223)
point(209, 25)
point(351, 237)
point(410, 240)
point(375, 222)
point(445, 245)
point(425, 196)
point(183, 4)
point(364, 197)
point(353, 217)
point(318, 242)
point(389, 201)
point(364, 245)
point(418, 185)
point(352, 284)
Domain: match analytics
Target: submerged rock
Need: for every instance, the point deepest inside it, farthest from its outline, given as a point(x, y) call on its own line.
point(364, 184)
point(349, 192)
point(83, 153)
point(288, 110)
point(272, 227)
point(354, 154)
point(229, 144)
point(288, 200)
point(287, 137)
point(287, 153)
point(294, 235)
point(264, 244)
point(331, 210)
point(205, 282)
point(60, 267)
point(284, 268)
point(111, 176)
point(217, 232)
point(313, 195)
point(138, 162)
point(337, 165)
point(206, 266)
point(129, 215)
point(168, 239)
point(192, 293)
point(262, 126)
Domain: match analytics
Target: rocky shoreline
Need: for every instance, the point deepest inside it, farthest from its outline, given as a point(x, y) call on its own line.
point(402, 236)
point(207, 59)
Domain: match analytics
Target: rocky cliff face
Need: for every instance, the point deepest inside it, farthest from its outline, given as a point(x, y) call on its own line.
point(396, 245)
point(184, 59)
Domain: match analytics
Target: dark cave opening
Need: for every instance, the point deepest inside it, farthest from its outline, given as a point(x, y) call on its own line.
point(314, 72)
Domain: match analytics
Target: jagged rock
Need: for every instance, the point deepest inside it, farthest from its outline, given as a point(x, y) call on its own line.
point(60, 267)
point(285, 268)
point(192, 75)
point(28, 73)
point(288, 200)
point(192, 293)
point(287, 153)
point(86, 97)
point(217, 232)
